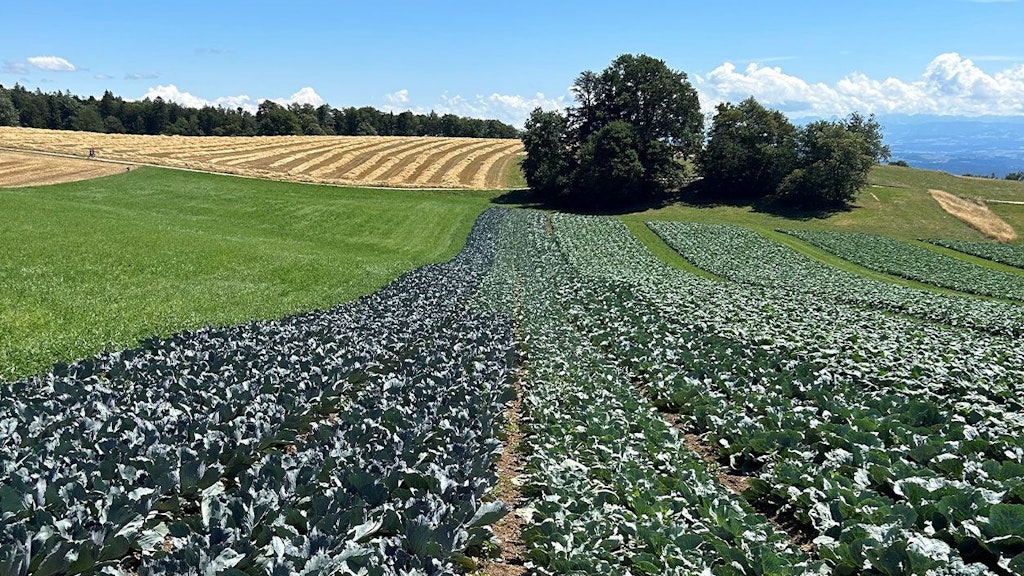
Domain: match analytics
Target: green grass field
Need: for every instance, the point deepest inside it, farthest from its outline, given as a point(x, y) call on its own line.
point(896, 203)
point(104, 263)
point(101, 264)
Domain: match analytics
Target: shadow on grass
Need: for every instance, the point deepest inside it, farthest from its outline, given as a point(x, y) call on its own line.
point(691, 195)
point(526, 198)
point(697, 196)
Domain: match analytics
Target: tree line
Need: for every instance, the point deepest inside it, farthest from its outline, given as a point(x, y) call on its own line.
point(636, 134)
point(112, 114)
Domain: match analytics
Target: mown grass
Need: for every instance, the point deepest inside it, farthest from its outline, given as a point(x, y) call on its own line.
point(103, 263)
point(514, 178)
point(663, 251)
point(896, 203)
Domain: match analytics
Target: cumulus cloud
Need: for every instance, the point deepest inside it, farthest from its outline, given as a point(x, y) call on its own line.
point(512, 109)
point(51, 63)
point(305, 95)
point(171, 93)
point(950, 85)
point(398, 98)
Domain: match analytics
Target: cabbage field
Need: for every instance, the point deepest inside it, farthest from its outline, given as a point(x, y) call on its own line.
point(788, 419)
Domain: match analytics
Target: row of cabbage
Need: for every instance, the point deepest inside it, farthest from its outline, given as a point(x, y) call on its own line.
point(612, 488)
point(915, 263)
point(356, 440)
point(896, 444)
point(745, 256)
point(1009, 254)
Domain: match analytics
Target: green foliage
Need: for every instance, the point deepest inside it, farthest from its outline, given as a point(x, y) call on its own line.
point(1009, 254)
point(900, 163)
point(613, 488)
point(1019, 176)
point(833, 162)
point(61, 110)
point(750, 150)
point(917, 263)
point(745, 256)
point(632, 125)
point(864, 427)
point(272, 119)
point(610, 172)
point(8, 113)
point(87, 119)
point(546, 165)
point(359, 439)
point(754, 154)
point(101, 264)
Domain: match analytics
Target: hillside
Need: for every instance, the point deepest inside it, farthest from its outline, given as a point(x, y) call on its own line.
point(896, 203)
point(389, 161)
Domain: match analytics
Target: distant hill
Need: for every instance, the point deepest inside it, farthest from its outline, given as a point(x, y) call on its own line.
point(980, 146)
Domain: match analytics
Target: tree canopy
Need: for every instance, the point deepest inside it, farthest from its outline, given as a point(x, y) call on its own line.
point(110, 113)
point(621, 143)
point(749, 151)
point(754, 154)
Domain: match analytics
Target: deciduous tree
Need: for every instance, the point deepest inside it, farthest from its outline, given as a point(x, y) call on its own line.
point(749, 151)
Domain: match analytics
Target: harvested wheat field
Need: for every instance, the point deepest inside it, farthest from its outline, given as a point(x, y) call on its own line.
point(395, 161)
point(32, 169)
point(976, 214)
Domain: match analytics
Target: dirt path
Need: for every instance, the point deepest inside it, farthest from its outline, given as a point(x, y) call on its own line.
point(18, 169)
point(509, 530)
point(975, 214)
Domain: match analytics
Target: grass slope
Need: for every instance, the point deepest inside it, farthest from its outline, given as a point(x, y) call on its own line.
point(896, 203)
point(101, 264)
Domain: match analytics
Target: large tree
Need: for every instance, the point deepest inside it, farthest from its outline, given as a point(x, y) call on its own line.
point(750, 149)
point(8, 113)
point(833, 162)
point(638, 115)
point(272, 119)
point(546, 166)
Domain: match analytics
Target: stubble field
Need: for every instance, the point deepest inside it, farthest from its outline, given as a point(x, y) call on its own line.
point(389, 161)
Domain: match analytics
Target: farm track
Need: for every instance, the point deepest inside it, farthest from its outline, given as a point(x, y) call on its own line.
point(26, 169)
point(403, 162)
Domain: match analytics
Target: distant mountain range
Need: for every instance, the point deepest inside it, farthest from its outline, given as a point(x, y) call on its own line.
point(980, 146)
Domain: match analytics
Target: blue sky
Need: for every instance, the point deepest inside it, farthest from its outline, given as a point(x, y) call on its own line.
point(500, 60)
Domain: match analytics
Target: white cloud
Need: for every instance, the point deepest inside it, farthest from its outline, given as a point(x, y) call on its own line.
point(171, 93)
point(103, 77)
point(398, 98)
point(305, 95)
point(509, 108)
point(950, 85)
point(51, 63)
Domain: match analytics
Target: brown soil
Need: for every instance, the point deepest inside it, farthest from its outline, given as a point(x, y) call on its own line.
point(27, 169)
point(799, 535)
point(509, 530)
point(975, 214)
point(413, 162)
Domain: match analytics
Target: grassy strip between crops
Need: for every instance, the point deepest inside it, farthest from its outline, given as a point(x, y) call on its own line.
point(842, 264)
point(663, 251)
point(976, 260)
point(101, 264)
